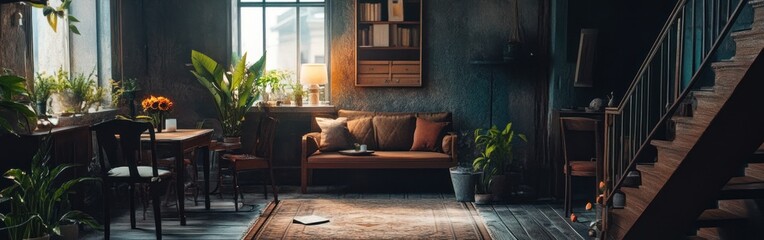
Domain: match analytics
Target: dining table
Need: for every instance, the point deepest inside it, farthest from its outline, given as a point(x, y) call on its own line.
point(178, 143)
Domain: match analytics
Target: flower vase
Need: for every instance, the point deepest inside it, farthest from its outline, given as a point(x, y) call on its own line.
point(158, 121)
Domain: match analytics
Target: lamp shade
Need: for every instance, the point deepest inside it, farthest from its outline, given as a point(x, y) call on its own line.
point(311, 74)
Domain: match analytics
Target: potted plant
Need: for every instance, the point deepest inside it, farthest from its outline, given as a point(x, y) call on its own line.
point(11, 109)
point(39, 199)
point(272, 83)
point(298, 91)
point(496, 157)
point(43, 88)
point(234, 92)
point(124, 91)
point(77, 94)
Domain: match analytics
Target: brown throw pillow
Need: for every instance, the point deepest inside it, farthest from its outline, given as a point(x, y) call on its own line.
point(394, 133)
point(334, 134)
point(362, 131)
point(427, 134)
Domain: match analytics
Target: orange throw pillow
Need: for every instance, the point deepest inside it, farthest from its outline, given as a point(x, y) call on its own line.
point(427, 134)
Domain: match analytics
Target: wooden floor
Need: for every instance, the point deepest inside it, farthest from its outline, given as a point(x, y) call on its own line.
point(513, 221)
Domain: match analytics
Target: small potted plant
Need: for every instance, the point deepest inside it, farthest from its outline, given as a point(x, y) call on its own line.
point(272, 84)
point(77, 94)
point(39, 200)
point(43, 88)
point(298, 91)
point(234, 92)
point(496, 157)
point(124, 91)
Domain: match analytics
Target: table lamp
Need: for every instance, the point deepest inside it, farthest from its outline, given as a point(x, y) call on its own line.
point(313, 75)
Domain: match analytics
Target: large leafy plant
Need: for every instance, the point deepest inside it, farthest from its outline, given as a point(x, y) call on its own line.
point(39, 199)
point(234, 92)
point(496, 155)
point(11, 88)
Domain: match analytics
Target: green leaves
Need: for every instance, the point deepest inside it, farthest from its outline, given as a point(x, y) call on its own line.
point(496, 154)
point(53, 14)
point(234, 92)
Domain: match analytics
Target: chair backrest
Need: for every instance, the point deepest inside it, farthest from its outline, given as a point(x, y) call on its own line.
point(266, 134)
point(581, 139)
point(119, 144)
point(211, 123)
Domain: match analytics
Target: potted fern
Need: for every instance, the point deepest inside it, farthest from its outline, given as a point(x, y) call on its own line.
point(39, 199)
point(234, 92)
point(496, 157)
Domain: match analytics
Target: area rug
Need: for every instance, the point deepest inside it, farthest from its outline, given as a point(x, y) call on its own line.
point(371, 219)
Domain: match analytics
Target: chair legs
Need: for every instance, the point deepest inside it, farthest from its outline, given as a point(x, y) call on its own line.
point(106, 210)
point(131, 189)
point(157, 209)
point(568, 198)
point(273, 185)
point(235, 186)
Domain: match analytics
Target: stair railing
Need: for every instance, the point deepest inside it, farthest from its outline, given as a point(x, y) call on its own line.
point(677, 60)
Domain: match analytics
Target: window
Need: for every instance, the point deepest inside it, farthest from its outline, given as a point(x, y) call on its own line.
point(292, 32)
point(90, 51)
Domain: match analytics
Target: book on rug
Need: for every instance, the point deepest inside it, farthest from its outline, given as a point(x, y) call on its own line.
point(310, 220)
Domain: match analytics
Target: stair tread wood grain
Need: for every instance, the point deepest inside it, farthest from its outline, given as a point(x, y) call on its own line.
point(718, 217)
point(743, 188)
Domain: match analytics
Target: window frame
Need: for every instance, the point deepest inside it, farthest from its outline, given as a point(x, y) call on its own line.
point(297, 4)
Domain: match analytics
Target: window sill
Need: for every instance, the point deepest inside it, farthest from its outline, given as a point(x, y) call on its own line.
point(321, 108)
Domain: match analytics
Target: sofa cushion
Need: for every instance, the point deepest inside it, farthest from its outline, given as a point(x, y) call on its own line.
point(334, 134)
point(381, 156)
point(427, 135)
point(352, 114)
point(436, 116)
point(362, 131)
point(394, 133)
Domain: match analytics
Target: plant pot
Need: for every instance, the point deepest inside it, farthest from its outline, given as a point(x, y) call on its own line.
point(463, 180)
point(64, 102)
point(499, 187)
point(231, 139)
point(483, 198)
point(42, 107)
point(298, 101)
point(45, 237)
point(70, 231)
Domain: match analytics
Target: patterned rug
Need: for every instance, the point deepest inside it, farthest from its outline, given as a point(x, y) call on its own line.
point(371, 219)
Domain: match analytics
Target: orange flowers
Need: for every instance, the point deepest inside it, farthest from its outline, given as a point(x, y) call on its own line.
point(157, 104)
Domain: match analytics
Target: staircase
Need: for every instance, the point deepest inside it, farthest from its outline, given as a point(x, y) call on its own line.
point(698, 162)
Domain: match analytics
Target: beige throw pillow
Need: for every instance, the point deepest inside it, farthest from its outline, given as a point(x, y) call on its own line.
point(362, 131)
point(334, 134)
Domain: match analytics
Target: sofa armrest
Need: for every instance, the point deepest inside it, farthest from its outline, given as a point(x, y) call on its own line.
point(310, 143)
point(449, 145)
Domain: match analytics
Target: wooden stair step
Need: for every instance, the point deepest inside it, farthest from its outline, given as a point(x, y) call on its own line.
point(709, 233)
point(651, 178)
point(758, 157)
point(623, 218)
point(637, 199)
point(748, 43)
point(755, 170)
point(695, 238)
point(742, 188)
point(719, 217)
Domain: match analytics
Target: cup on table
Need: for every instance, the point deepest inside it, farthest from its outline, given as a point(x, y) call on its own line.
point(362, 148)
point(171, 124)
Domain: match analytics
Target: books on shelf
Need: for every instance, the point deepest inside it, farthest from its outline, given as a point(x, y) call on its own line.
point(370, 12)
point(406, 37)
point(381, 35)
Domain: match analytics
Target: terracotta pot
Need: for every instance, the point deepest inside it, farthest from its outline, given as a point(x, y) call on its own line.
point(483, 198)
point(231, 139)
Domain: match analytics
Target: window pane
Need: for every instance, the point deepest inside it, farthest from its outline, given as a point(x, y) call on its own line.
point(251, 32)
point(51, 49)
point(312, 1)
point(280, 0)
point(281, 42)
point(312, 43)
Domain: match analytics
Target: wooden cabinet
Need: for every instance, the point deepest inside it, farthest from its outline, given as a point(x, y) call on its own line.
point(388, 43)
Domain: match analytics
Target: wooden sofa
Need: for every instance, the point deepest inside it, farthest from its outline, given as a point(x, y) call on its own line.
point(444, 158)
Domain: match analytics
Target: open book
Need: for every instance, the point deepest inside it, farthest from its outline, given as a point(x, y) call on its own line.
point(310, 220)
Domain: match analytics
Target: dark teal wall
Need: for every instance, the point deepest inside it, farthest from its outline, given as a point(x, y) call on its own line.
point(456, 32)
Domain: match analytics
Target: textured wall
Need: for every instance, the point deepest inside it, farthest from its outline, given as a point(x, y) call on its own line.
point(13, 50)
point(455, 32)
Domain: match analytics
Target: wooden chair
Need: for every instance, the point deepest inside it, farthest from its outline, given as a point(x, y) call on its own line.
point(119, 152)
point(582, 149)
point(258, 158)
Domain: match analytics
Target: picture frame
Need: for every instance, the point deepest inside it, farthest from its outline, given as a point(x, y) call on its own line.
point(395, 10)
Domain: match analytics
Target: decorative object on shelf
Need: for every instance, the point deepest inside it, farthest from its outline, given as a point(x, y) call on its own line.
point(395, 10)
point(273, 83)
point(39, 198)
point(595, 105)
point(298, 92)
point(496, 158)
point(611, 100)
point(389, 47)
point(43, 88)
point(313, 75)
point(157, 108)
point(234, 92)
point(78, 93)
